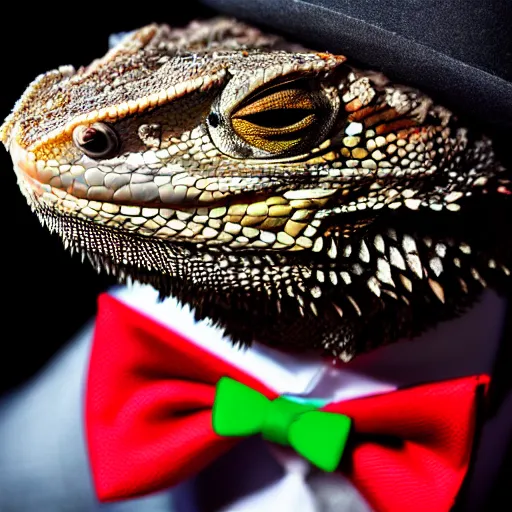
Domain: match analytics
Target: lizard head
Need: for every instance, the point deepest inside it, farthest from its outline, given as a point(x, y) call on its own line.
point(291, 198)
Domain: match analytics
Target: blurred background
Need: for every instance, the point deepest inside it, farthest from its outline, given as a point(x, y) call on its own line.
point(48, 294)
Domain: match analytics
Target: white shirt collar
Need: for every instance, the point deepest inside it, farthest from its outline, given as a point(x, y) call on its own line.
point(463, 346)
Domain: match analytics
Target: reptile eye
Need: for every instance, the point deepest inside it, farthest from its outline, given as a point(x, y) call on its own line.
point(98, 141)
point(278, 121)
point(281, 119)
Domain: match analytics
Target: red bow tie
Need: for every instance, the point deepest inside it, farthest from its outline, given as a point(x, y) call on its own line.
point(149, 420)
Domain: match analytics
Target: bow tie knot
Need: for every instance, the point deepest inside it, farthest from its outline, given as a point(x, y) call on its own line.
point(320, 437)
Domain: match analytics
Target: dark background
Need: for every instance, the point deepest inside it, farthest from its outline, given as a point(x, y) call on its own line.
point(48, 294)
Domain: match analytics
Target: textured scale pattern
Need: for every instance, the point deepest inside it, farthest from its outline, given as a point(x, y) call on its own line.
point(290, 197)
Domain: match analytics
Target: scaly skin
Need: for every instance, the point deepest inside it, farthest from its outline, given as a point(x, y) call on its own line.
point(286, 195)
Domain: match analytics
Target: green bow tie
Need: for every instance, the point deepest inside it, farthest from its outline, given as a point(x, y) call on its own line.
point(318, 436)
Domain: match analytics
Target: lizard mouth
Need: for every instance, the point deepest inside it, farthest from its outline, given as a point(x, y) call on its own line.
point(265, 218)
point(232, 212)
point(250, 220)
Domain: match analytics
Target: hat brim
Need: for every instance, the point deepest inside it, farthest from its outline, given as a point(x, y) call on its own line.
point(462, 86)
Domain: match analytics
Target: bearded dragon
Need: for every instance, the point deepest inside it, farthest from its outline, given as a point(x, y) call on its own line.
point(285, 194)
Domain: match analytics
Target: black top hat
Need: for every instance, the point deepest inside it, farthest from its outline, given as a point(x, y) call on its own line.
point(459, 51)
